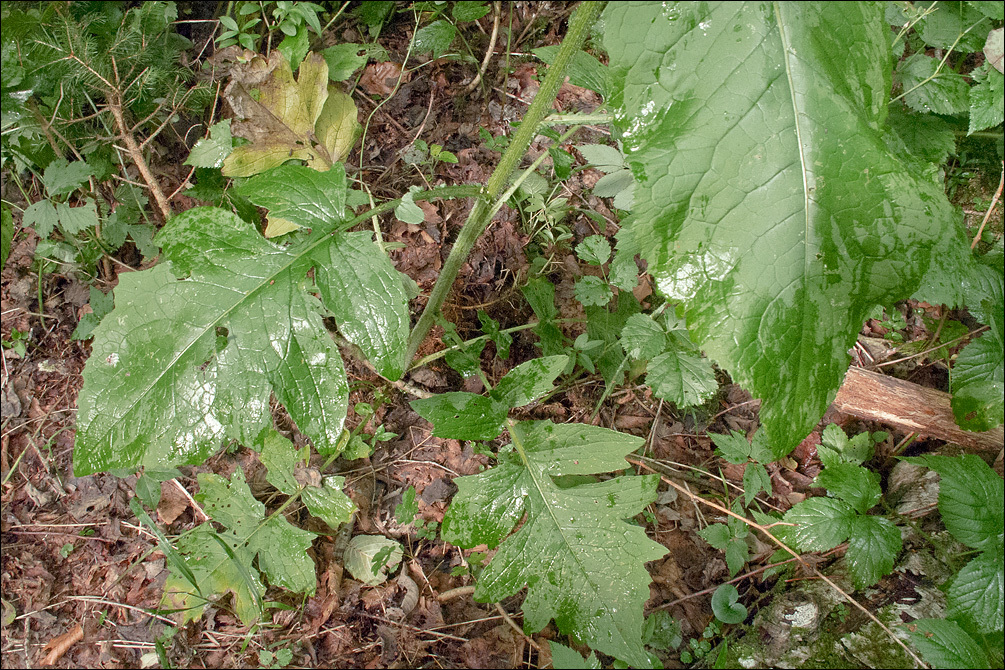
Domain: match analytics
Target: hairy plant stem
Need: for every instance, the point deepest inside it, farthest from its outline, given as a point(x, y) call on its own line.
point(481, 213)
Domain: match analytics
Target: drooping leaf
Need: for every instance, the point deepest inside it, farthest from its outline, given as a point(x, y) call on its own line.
point(365, 293)
point(302, 118)
point(584, 70)
point(582, 563)
point(755, 480)
point(563, 657)
point(221, 562)
point(777, 248)
point(182, 364)
point(944, 644)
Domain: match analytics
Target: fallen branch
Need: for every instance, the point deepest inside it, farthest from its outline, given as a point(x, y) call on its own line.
point(909, 407)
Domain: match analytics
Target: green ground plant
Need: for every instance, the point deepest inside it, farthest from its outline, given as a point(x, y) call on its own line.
point(778, 198)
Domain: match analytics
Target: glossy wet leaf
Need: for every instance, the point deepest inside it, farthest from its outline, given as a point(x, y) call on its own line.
point(182, 364)
point(466, 416)
point(366, 295)
point(281, 549)
point(766, 200)
point(462, 416)
point(564, 657)
point(582, 563)
point(854, 484)
point(286, 118)
point(529, 381)
point(296, 195)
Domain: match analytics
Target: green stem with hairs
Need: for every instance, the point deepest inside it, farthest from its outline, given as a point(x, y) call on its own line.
point(481, 213)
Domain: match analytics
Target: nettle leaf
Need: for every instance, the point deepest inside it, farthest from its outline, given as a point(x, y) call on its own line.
point(944, 644)
point(683, 378)
point(305, 118)
point(582, 563)
point(731, 118)
point(978, 591)
point(182, 364)
point(643, 338)
point(873, 546)
point(297, 192)
point(220, 561)
point(854, 484)
point(435, 38)
point(987, 97)
point(971, 498)
point(821, 523)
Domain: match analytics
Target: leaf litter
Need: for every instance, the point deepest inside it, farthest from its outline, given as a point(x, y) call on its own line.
point(74, 552)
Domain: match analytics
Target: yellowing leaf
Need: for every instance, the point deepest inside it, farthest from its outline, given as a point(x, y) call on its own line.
point(287, 118)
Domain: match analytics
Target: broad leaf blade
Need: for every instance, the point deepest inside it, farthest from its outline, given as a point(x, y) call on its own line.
point(872, 549)
point(179, 365)
point(462, 416)
point(978, 591)
point(300, 195)
point(529, 381)
point(971, 499)
point(944, 644)
point(582, 563)
point(821, 523)
point(766, 199)
point(367, 297)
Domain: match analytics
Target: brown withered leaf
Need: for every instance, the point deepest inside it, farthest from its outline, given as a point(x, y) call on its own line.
point(56, 647)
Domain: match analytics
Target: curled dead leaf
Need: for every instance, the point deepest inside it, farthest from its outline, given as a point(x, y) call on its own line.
point(381, 78)
point(56, 647)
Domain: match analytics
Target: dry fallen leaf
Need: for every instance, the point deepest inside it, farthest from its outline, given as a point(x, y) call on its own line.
point(60, 645)
point(381, 78)
point(173, 503)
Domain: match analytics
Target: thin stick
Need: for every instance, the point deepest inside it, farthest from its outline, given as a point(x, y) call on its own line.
point(519, 631)
point(987, 215)
point(764, 530)
point(496, 15)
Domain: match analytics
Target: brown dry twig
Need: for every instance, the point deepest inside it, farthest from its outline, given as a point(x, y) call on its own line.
point(987, 215)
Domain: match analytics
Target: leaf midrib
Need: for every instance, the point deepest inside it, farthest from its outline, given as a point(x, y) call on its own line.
point(268, 280)
point(537, 484)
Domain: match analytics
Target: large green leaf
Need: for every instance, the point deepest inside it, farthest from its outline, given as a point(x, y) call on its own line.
point(582, 562)
point(766, 200)
point(181, 364)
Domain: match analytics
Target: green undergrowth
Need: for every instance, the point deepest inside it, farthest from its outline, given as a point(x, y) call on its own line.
point(775, 169)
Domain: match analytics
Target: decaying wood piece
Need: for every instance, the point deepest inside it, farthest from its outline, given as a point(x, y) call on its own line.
point(909, 407)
